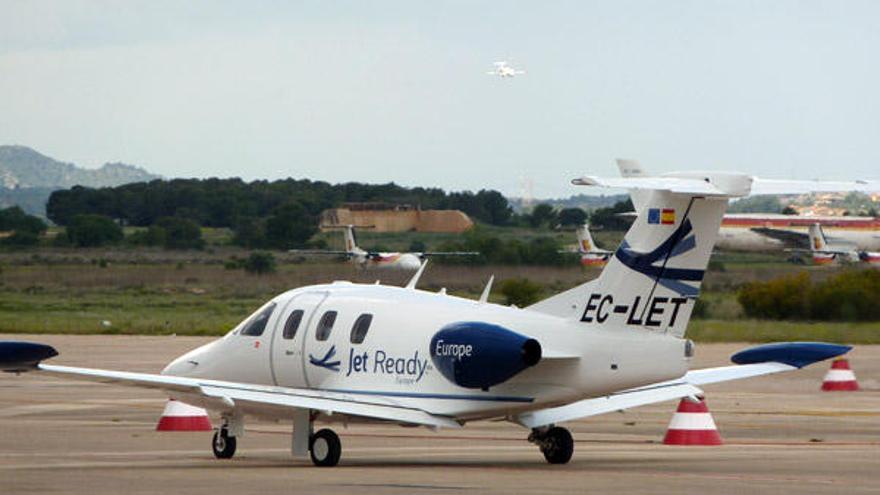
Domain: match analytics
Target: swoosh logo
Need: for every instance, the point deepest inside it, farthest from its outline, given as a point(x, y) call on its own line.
point(325, 362)
point(681, 241)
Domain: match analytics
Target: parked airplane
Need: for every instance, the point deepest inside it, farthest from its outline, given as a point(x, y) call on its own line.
point(379, 260)
point(344, 352)
point(591, 255)
point(773, 231)
point(504, 70)
point(824, 253)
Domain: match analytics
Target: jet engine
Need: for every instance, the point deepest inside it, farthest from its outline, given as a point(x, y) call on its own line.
point(480, 355)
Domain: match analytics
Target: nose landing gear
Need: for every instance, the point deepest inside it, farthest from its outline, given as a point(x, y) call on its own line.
point(555, 443)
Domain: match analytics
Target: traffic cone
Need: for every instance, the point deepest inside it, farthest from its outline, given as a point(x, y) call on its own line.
point(179, 416)
point(692, 424)
point(840, 378)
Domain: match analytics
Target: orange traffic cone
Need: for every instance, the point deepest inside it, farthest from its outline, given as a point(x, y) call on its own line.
point(692, 424)
point(179, 416)
point(840, 378)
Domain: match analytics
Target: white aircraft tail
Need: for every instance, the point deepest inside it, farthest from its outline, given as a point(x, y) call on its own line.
point(817, 238)
point(585, 241)
point(350, 240)
point(634, 169)
point(654, 277)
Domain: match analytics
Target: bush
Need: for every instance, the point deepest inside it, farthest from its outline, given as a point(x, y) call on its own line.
point(850, 296)
point(92, 231)
point(14, 218)
point(259, 263)
point(26, 229)
point(521, 292)
point(177, 233)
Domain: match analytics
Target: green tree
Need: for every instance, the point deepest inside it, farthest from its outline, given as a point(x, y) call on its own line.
point(543, 215)
point(572, 217)
point(611, 218)
point(290, 226)
point(179, 233)
point(521, 292)
point(259, 263)
point(14, 218)
point(93, 231)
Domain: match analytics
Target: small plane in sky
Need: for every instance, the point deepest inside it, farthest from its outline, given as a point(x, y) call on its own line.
point(344, 352)
point(379, 260)
point(825, 254)
point(503, 70)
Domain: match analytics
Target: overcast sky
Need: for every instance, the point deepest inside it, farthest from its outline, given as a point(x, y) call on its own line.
point(397, 91)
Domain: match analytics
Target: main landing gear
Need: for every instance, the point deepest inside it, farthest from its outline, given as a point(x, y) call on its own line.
point(555, 443)
point(223, 444)
point(323, 446)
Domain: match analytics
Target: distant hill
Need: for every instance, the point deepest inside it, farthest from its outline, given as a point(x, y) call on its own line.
point(583, 201)
point(27, 177)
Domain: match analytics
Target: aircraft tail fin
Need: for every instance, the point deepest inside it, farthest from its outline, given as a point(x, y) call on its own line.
point(633, 169)
point(585, 240)
point(351, 240)
point(817, 238)
point(653, 278)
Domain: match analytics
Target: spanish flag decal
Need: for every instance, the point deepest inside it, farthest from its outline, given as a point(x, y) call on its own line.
point(667, 216)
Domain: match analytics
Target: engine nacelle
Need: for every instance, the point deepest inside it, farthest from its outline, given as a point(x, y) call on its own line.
point(479, 355)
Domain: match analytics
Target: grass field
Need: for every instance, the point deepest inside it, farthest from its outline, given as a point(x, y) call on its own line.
point(143, 291)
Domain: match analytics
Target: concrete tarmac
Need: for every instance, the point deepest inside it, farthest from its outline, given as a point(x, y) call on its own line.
point(782, 436)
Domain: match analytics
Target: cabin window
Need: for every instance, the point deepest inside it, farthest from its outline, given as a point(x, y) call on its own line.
point(257, 324)
point(292, 324)
point(325, 326)
point(360, 328)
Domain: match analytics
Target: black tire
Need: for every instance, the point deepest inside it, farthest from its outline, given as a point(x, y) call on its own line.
point(325, 448)
point(557, 445)
point(223, 445)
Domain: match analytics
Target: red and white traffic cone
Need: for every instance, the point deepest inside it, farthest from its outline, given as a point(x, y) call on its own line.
point(179, 416)
point(840, 378)
point(692, 424)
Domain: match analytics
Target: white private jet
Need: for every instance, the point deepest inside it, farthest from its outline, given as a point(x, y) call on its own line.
point(503, 70)
point(379, 260)
point(345, 352)
point(824, 253)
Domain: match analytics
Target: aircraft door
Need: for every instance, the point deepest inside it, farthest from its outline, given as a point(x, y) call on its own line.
point(287, 342)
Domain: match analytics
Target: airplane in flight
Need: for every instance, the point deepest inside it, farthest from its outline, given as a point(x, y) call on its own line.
point(773, 231)
point(503, 70)
point(344, 352)
point(379, 260)
point(591, 255)
point(824, 253)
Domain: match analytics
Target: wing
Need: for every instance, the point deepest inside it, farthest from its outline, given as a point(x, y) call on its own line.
point(450, 253)
point(318, 251)
point(223, 395)
point(799, 240)
point(756, 361)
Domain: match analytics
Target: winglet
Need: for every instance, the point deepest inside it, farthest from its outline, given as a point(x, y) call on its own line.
point(16, 356)
point(484, 297)
point(797, 354)
point(415, 278)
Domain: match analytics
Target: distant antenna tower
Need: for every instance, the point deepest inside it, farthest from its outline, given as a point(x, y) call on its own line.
point(527, 191)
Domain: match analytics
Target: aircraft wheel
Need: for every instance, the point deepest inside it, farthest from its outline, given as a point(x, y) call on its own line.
point(557, 445)
point(325, 448)
point(223, 444)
